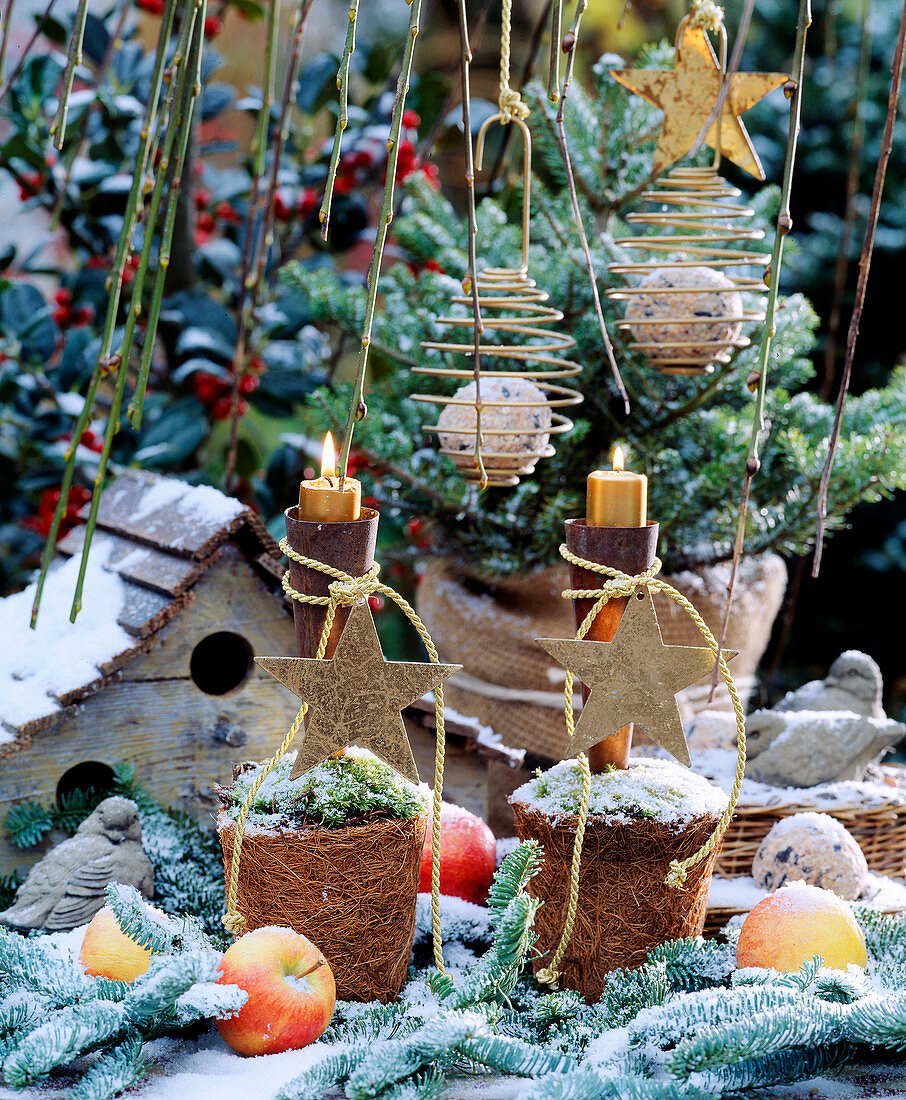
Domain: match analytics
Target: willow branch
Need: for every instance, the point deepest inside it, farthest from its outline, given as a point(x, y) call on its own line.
point(868, 245)
point(100, 77)
point(553, 77)
point(255, 259)
point(73, 60)
point(26, 49)
point(477, 327)
point(134, 205)
point(4, 38)
point(849, 212)
point(569, 47)
point(772, 276)
point(342, 118)
point(184, 91)
point(172, 188)
point(357, 408)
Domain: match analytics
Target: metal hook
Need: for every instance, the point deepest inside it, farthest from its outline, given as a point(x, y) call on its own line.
point(526, 173)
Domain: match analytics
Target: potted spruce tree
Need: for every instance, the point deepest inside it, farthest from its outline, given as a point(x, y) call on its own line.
point(493, 579)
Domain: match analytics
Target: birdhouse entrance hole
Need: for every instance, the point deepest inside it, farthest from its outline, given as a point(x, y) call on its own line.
point(221, 663)
point(89, 775)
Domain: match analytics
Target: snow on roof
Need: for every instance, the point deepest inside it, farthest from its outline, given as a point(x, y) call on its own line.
point(156, 537)
point(59, 656)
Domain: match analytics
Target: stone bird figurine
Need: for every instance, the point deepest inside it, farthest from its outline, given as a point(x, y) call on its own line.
point(853, 683)
point(826, 731)
point(68, 886)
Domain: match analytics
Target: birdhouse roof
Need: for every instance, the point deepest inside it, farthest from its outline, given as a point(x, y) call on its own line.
point(156, 538)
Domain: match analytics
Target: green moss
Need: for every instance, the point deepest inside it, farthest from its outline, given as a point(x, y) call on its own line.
point(349, 790)
point(653, 789)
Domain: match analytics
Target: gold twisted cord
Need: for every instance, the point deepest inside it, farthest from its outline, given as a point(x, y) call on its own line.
point(344, 590)
point(509, 102)
point(624, 584)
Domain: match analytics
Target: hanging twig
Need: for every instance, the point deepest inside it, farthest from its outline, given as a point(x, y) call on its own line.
point(472, 217)
point(73, 60)
point(849, 213)
point(185, 89)
point(26, 49)
point(134, 205)
point(99, 78)
point(569, 48)
point(475, 35)
point(4, 38)
point(553, 76)
point(260, 234)
point(342, 118)
point(772, 275)
point(862, 284)
point(357, 407)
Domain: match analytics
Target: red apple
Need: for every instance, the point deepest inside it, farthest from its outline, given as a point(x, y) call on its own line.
point(468, 855)
point(291, 992)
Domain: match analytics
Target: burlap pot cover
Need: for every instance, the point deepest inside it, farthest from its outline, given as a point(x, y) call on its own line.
point(625, 909)
point(512, 685)
point(351, 891)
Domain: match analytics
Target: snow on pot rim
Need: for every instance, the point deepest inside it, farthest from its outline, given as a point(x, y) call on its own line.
point(658, 790)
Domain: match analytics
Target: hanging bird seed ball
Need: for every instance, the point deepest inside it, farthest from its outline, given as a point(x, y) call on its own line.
point(813, 848)
point(513, 405)
point(711, 308)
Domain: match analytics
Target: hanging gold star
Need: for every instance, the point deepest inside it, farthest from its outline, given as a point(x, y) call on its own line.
point(356, 697)
point(634, 678)
point(687, 96)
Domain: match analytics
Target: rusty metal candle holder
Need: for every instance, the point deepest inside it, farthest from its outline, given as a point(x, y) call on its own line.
point(631, 550)
point(523, 393)
point(344, 545)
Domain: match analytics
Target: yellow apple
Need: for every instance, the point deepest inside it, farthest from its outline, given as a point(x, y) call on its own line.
point(790, 927)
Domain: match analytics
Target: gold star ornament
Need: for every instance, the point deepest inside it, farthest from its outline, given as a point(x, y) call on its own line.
point(356, 697)
point(634, 678)
point(687, 95)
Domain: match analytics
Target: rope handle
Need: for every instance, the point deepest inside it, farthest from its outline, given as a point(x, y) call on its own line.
point(624, 584)
point(343, 590)
point(510, 102)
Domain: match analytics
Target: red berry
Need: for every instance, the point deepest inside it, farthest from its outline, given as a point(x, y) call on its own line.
point(226, 213)
point(414, 528)
point(202, 198)
point(308, 200)
point(155, 7)
point(213, 25)
point(282, 210)
point(62, 296)
point(411, 120)
point(91, 441)
point(376, 602)
point(209, 387)
point(249, 383)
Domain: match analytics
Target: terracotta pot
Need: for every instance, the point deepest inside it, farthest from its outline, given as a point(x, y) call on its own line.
point(625, 908)
point(512, 685)
point(351, 891)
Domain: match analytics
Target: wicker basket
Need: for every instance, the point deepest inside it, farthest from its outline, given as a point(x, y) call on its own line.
point(879, 829)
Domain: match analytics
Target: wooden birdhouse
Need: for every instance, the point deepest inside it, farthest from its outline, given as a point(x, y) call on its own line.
point(182, 591)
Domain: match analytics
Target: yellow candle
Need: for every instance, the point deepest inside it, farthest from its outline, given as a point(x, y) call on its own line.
point(320, 498)
point(617, 497)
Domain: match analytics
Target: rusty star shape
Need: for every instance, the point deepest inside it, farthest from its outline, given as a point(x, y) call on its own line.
point(687, 96)
point(356, 697)
point(634, 678)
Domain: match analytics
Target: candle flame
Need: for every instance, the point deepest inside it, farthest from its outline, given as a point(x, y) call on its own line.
point(328, 457)
point(618, 461)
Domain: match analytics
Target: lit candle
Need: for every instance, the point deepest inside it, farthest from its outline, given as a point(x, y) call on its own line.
point(617, 497)
point(322, 500)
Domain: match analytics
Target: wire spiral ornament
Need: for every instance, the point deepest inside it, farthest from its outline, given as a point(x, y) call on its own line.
point(686, 311)
point(522, 395)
